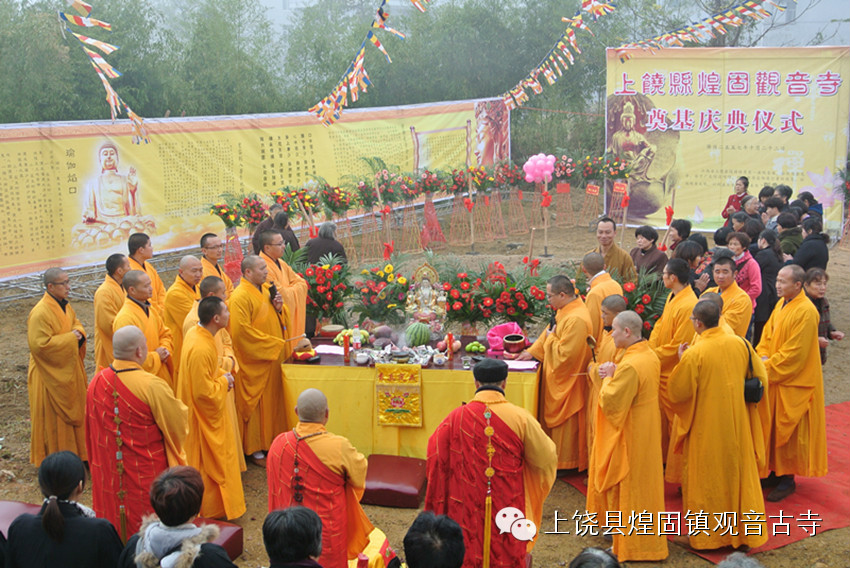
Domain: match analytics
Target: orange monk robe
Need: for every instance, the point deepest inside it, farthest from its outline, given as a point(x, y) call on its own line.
point(344, 533)
point(293, 290)
point(158, 297)
point(227, 364)
point(606, 352)
point(798, 424)
point(108, 299)
point(713, 434)
point(56, 380)
point(212, 446)
point(619, 260)
point(620, 478)
point(211, 269)
point(564, 355)
point(178, 301)
point(673, 328)
point(156, 334)
point(258, 333)
point(737, 308)
point(601, 287)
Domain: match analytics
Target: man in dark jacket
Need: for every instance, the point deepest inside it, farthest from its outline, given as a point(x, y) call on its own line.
point(790, 235)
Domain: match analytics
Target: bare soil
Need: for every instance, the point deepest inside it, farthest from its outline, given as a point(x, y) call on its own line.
point(18, 477)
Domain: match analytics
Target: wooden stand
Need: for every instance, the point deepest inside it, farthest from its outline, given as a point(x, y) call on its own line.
point(409, 240)
point(590, 207)
point(432, 236)
point(564, 215)
point(370, 243)
point(494, 211)
point(517, 222)
point(345, 237)
point(458, 228)
point(545, 212)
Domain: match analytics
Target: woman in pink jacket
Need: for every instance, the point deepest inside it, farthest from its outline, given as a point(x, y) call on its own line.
point(749, 273)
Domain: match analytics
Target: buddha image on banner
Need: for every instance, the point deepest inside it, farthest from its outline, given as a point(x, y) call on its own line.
point(112, 207)
point(691, 121)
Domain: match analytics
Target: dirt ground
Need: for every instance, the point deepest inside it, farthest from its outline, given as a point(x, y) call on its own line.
point(18, 477)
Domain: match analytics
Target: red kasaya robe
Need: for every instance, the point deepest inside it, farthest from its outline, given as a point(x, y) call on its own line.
point(457, 484)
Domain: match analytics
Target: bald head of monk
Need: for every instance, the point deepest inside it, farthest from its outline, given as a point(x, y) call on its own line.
point(706, 315)
point(254, 269)
point(190, 270)
point(610, 307)
point(312, 406)
point(138, 285)
point(593, 263)
point(713, 297)
point(627, 329)
point(56, 283)
point(129, 344)
point(790, 281)
point(213, 286)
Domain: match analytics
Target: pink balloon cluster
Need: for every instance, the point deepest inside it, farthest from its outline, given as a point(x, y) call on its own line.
point(539, 168)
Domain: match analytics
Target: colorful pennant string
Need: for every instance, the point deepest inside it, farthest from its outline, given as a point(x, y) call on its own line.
point(418, 4)
point(104, 70)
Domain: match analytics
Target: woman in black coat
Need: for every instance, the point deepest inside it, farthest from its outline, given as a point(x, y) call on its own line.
point(813, 252)
point(63, 533)
point(769, 259)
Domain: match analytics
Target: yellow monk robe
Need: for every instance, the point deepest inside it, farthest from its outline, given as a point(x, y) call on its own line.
point(227, 364)
point(620, 478)
point(606, 352)
point(212, 446)
point(178, 302)
point(211, 269)
point(713, 434)
point(344, 533)
point(798, 424)
point(56, 380)
point(108, 299)
point(601, 287)
point(293, 290)
point(673, 328)
point(564, 355)
point(737, 308)
point(156, 334)
point(619, 260)
point(158, 297)
point(258, 332)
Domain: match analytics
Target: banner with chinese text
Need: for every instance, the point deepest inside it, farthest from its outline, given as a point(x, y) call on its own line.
point(693, 120)
point(71, 193)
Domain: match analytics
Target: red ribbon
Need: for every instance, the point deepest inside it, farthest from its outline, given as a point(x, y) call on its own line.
point(313, 232)
point(519, 194)
point(386, 210)
point(662, 248)
point(487, 200)
point(669, 211)
point(625, 202)
point(468, 203)
point(547, 199)
point(388, 249)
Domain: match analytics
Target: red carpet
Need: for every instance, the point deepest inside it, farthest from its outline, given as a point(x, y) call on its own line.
point(824, 500)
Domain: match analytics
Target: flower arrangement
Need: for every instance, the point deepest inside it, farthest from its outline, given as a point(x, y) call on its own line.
point(227, 213)
point(463, 298)
point(513, 297)
point(328, 288)
point(289, 198)
point(334, 200)
point(430, 182)
point(564, 168)
point(591, 168)
point(381, 295)
point(392, 186)
point(251, 210)
point(507, 174)
point(646, 297)
point(365, 193)
point(459, 184)
point(616, 168)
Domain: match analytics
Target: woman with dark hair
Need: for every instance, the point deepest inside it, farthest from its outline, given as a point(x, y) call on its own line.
point(749, 274)
point(646, 255)
point(765, 193)
point(63, 533)
point(171, 538)
point(692, 252)
point(815, 286)
point(769, 259)
point(738, 220)
point(812, 205)
point(813, 251)
point(704, 266)
point(679, 230)
point(733, 204)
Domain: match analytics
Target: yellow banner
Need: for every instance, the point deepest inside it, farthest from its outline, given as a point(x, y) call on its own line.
point(71, 193)
point(398, 389)
point(693, 120)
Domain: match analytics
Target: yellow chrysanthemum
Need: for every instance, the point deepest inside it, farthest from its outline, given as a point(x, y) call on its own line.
point(381, 273)
point(388, 268)
point(390, 306)
point(326, 266)
point(390, 277)
point(364, 271)
point(402, 280)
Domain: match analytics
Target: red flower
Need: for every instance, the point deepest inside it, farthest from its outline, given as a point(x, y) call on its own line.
point(457, 306)
point(461, 275)
point(374, 299)
point(629, 286)
point(447, 286)
point(455, 294)
point(523, 305)
point(364, 290)
point(639, 308)
point(646, 299)
point(320, 289)
point(310, 272)
point(320, 280)
point(511, 311)
point(339, 304)
point(464, 285)
point(488, 302)
point(329, 296)
point(336, 268)
point(647, 326)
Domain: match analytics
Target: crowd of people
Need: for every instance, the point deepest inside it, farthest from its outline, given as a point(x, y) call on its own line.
point(188, 390)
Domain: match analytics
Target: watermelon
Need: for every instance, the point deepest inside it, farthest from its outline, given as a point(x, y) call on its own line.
point(417, 334)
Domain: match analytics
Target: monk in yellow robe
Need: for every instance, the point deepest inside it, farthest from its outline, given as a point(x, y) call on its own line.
point(179, 300)
point(621, 477)
point(108, 299)
point(616, 259)
point(148, 436)
point(601, 286)
point(789, 348)
point(720, 473)
point(212, 446)
point(606, 352)
point(138, 311)
point(563, 352)
point(141, 251)
point(212, 249)
point(737, 304)
point(292, 288)
point(671, 330)
point(259, 324)
point(215, 286)
point(523, 461)
point(56, 378)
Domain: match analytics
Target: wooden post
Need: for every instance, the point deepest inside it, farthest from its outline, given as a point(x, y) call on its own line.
point(531, 244)
point(545, 211)
point(626, 210)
